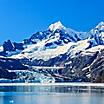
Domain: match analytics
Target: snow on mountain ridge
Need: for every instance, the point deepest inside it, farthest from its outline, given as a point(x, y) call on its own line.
point(60, 40)
point(98, 34)
point(100, 25)
point(1, 48)
point(32, 53)
point(57, 25)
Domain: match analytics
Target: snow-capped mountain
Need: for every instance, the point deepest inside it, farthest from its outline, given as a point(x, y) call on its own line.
point(56, 46)
point(55, 26)
point(98, 34)
point(58, 40)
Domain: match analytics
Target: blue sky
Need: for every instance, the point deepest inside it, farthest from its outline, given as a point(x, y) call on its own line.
point(19, 19)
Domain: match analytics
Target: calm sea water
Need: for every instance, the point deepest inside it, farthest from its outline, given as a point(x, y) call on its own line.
point(51, 95)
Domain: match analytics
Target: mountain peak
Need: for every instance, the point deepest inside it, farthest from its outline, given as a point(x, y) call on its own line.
point(100, 25)
point(57, 25)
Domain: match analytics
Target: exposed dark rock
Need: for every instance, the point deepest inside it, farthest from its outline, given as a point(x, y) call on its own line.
point(3, 53)
point(26, 41)
point(7, 46)
point(7, 75)
point(76, 64)
point(11, 64)
point(97, 69)
point(18, 46)
point(91, 64)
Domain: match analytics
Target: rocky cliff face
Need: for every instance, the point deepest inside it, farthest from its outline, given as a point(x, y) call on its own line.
point(88, 66)
point(97, 68)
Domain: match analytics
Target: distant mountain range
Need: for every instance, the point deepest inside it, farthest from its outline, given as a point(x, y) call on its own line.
point(58, 54)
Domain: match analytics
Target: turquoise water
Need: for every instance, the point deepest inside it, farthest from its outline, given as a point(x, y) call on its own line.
point(51, 95)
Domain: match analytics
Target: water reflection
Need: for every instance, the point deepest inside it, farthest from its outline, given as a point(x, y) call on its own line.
point(56, 89)
point(51, 95)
